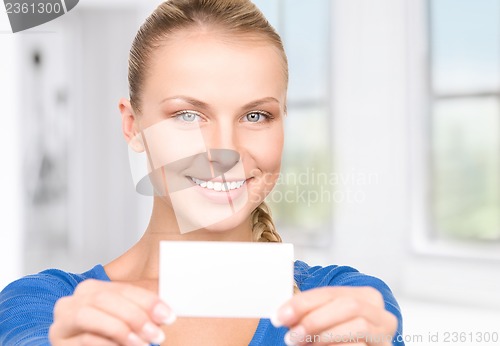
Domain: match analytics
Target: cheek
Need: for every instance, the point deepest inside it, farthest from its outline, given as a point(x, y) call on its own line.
point(167, 144)
point(271, 150)
point(158, 180)
point(270, 157)
point(265, 151)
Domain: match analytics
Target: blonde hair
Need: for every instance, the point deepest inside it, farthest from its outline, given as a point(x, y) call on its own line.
point(239, 18)
point(264, 230)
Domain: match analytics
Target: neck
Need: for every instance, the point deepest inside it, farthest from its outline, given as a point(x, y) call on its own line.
point(142, 260)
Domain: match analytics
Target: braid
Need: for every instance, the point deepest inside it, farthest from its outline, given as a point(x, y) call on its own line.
point(264, 230)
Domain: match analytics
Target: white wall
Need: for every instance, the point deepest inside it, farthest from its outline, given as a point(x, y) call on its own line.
point(10, 167)
point(370, 135)
point(427, 322)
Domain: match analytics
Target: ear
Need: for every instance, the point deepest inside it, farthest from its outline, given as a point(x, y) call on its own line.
point(130, 126)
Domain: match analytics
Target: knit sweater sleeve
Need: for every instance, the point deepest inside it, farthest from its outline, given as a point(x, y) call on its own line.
point(309, 278)
point(26, 307)
point(346, 276)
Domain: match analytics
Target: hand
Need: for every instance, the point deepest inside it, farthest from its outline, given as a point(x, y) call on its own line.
point(337, 316)
point(109, 313)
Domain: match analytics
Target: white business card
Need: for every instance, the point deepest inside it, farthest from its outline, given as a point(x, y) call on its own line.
point(225, 279)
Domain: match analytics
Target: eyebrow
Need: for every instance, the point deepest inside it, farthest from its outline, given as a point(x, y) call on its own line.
point(206, 106)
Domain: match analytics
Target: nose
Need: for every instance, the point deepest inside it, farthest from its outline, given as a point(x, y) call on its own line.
point(223, 160)
point(222, 147)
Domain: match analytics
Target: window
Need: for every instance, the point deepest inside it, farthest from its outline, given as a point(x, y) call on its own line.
point(464, 45)
point(302, 199)
point(451, 151)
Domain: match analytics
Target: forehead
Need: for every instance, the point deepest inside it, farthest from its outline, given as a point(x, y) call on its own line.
point(212, 67)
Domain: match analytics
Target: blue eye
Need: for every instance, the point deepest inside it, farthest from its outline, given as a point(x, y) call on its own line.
point(255, 117)
point(188, 117)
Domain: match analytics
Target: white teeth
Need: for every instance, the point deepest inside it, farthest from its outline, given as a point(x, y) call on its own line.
point(218, 186)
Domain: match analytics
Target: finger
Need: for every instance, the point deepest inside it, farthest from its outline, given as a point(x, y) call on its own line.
point(158, 310)
point(87, 340)
point(376, 327)
point(93, 321)
point(301, 304)
point(68, 314)
point(64, 309)
point(336, 312)
point(132, 314)
point(147, 300)
point(355, 331)
point(142, 297)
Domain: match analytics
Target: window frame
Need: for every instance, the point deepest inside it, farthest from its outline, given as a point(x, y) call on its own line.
point(421, 98)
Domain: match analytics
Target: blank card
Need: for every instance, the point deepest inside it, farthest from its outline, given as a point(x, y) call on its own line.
point(225, 279)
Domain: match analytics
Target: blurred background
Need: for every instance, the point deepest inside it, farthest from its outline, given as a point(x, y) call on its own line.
point(392, 153)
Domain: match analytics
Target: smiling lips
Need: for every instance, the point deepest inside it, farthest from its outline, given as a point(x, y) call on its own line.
point(218, 186)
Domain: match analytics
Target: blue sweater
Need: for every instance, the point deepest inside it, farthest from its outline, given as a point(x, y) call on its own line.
point(26, 305)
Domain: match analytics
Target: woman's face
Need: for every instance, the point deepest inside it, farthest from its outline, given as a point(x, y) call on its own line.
point(212, 121)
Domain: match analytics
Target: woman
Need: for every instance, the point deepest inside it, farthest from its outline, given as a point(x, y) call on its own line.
point(212, 74)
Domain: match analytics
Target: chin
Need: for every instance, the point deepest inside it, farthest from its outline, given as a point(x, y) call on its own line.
point(239, 219)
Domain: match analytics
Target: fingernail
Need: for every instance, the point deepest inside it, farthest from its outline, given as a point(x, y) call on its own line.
point(153, 333)
point(171, 319)
point(134, 340)
point(164, 314)
point(283, 316)
point(288, 339)
point(295, 334)
point(275, 321)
